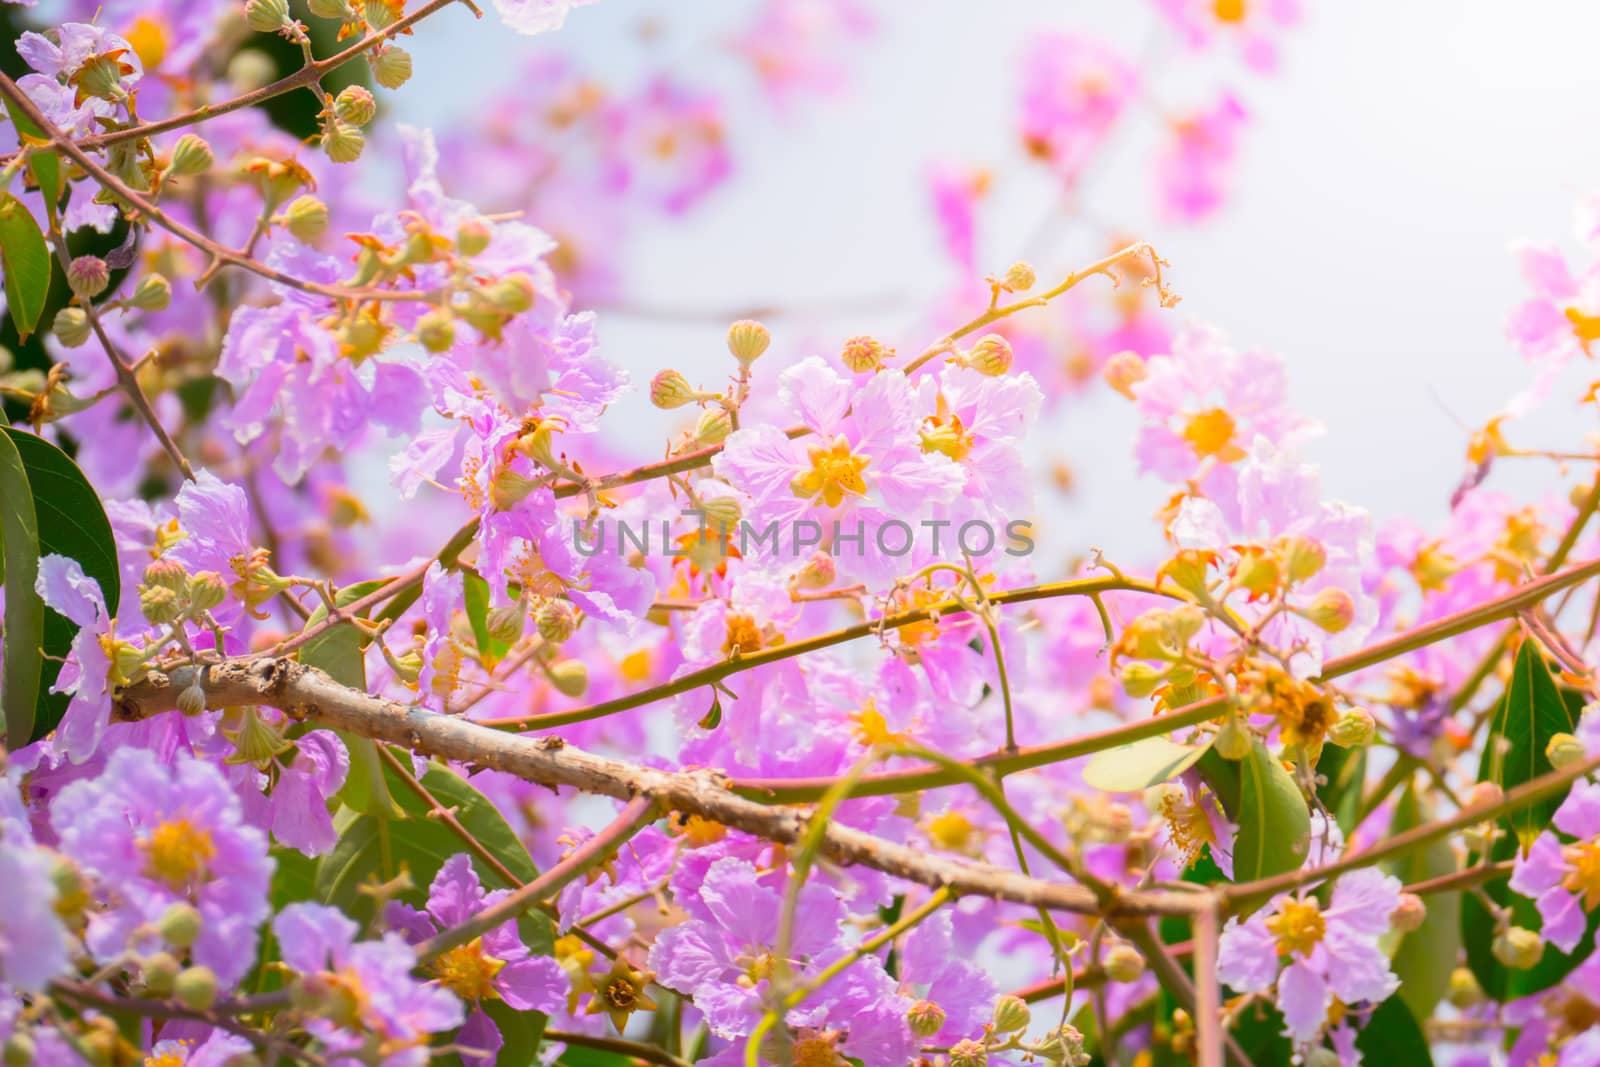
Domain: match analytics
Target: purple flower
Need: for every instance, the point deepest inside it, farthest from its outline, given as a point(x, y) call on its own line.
point(90, 667)
point(536, 16)
point(1313, 954)
point(364, 989)
point(300, 816)
point(723, 956)
point(154, 835)
point(496, 966)
point(1564, 880)
point(33, 944)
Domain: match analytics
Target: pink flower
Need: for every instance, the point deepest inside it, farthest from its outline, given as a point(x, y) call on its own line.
point(1252, 24)
point(1564, 879)
point(1311, 953)
point(1194, 169)
point(1074, 90)
point(90, 669)
point(496, 966)
point(536, 16)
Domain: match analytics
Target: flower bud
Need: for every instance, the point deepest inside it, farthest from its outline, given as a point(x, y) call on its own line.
point(925, 1018)
point(1125, 370)
point(747, 339)
point(195, 988)
point(1464, 991)
point(436, 331)
point(512, 294)
point(192, 700)
point(505, 623)
point(1141, 679)
point(1019, 277)
point(343, 143)
point(1485, 795)
point(991, 356)
point(1302, 557)
point(713, 428)
point(179, 925)
point(266, 16)
point(508, 489)
point(168, 573)
point(570, 676)
point(306, 217)
point(555, 620)
point(19, 1050)
point(332, 9)
point(968, 1053)
point(71, 326)
point(1354, 729)
point(159, 604)
point(1256, 571)
point(1518, 948)
point(1188, 571)
point(1409, 914)
point(670, 389)
point(407, 667)
point(1124, 964)
point(391, 68)
point(1322, 1056)
point(861, 354)
point(473, 236)
point(153, 293)
point(722, 513)
point(250, 69)
point(1331, 609)
point(190, 156)
point(1011, 1013)
point(88, 276)
point(206, 591)
point(1233, 741)
point(355, 105)
point(1563, 751)
point(158, 973)
point(819, 572)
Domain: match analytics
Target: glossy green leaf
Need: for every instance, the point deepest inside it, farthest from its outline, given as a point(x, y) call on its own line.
point(1392, 1036)
point(71, 523)
point(1140, 765)
point(1274, 823)
point(339, 652)
point(1478, 931)
point(1530, 714)
point(475, 592)
point(45, 166)
point(1425, 957)
point(26, 259)
point(24, 612)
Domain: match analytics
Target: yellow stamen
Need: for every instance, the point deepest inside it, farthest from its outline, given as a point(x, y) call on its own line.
point(467, 971)
point(1298, 926)
point(1229, 10)
point(1584, 874)
point(835, 473)
point(177, 852)
point(1210, 433)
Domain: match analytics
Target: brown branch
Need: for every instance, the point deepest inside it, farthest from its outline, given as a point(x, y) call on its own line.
point(308, 694)
point(310, 74)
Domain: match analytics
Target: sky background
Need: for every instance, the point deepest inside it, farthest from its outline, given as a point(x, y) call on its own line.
point(1391, 159)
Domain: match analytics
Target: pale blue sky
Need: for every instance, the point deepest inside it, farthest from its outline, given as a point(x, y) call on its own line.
point(1394, 156)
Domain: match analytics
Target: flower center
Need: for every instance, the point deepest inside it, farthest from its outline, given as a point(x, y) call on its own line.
point(873, 729)
point(1583, 876)
point(1210, 433)
point(177, 852)
point(1229, 10)
point(757, 968)
point(744, 635)
point(467, 971)
point(1298, 926)
point(952, 830)
point(1585, 327)
point(817, 1050)
point(947, 435)
point(835, 472)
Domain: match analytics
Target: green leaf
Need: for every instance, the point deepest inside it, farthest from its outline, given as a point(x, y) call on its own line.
point(339, 653)
point(24, 612)
point(71, 523)
point(1393, 1036)
point(1527, 717)
point(372, 848)
point(1344, 771)
point(1426, 956)
point(1140, 765)
point(26, 258)
point(1477, 936)
point(44, 165)
point(1274, 824)
point(522, 1032)
point(476, 593)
